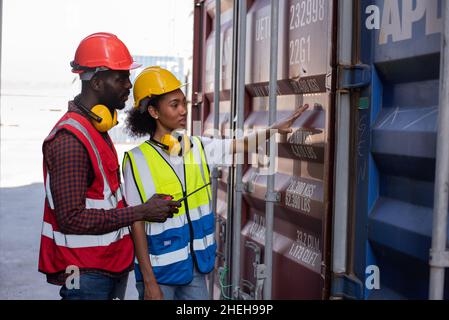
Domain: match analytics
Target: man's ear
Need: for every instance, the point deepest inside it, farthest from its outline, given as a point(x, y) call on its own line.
point(96, 83)
point(154, 113)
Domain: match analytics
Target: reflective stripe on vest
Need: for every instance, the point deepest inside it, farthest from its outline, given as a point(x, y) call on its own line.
point(48, 192)
point(147, 163)
point(181, 254)
point(82, 241)
point(203, 244)
point(166, 259)
point(106, 204)
point(177, 221)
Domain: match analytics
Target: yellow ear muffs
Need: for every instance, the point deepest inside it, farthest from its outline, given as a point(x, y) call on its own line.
point(174, 147)
point(107, 120)
point(186, 144)
point(177, 146)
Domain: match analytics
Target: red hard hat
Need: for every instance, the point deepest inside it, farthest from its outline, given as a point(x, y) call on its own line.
point(102, 50)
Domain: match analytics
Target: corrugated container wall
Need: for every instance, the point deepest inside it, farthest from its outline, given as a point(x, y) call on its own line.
point(303, 175)
point(393, 120)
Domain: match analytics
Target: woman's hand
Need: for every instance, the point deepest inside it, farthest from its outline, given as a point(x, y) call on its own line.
point(283, 126)
point(153, 291)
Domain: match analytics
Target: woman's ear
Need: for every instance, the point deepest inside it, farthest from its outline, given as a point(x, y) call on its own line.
point(153, 112)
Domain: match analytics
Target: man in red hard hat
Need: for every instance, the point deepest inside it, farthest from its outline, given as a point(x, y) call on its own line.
point(85, 243)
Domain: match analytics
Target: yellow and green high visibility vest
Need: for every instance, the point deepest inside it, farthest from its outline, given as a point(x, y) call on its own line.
point(188, 238)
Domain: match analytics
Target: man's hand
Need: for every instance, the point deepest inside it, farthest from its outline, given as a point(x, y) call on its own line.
point(283, 126)
point(158, 208)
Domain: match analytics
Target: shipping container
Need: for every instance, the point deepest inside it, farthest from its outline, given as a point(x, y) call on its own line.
point(395, 133)
point(354, 182)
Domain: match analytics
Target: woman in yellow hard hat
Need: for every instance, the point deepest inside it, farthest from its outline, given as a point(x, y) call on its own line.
point(173, 257)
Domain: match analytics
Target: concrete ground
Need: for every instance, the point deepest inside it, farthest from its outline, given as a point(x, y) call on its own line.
point(20, 228)
point(25, 122)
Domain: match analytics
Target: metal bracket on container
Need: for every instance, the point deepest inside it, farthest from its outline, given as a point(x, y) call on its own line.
point(259, 270)
point(355, 76)
point(274, 196)
point(260, 273)
point(260, 278)
point(439, 259)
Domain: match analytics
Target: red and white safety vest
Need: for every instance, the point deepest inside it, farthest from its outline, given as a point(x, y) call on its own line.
point(112, 252)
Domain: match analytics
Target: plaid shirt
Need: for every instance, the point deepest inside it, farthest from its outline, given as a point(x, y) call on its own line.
point(71, 173)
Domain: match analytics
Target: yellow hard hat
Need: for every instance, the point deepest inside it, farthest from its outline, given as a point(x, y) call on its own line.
point(154, 81)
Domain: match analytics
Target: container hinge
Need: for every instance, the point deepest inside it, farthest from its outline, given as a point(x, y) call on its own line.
point(346, 287)
point(273, 196)
point(355, 76)
point(439, 259)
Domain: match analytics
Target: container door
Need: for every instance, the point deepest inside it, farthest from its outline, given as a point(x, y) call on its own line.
point(304, 163)
point(303, 169)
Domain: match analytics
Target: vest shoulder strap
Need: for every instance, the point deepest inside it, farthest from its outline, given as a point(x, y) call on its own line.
point(129, 158)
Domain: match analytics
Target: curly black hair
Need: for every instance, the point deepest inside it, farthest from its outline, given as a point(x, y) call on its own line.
point(139, 123)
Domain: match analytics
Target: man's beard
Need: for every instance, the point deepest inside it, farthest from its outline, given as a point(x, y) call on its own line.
point(113, 104)
point(120, 105)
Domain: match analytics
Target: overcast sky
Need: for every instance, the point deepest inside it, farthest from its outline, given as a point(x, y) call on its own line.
point(40, 36)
